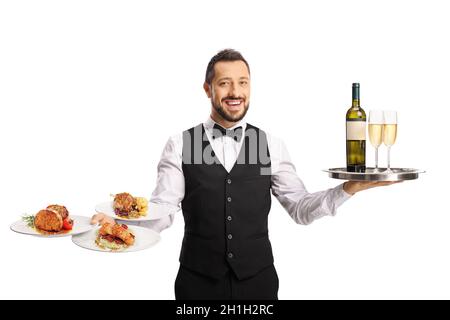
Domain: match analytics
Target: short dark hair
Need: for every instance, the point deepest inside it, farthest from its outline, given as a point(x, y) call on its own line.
point(224, 55)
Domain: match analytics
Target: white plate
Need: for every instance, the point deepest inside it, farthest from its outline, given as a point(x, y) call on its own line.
point(80, 225)
point(154, 212)
point(144, 238)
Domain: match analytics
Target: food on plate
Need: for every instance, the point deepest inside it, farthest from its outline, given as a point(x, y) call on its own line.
point(67, 224)
point(54, 219)
point(63, 212)
point(127, 206)
point(48, 220)
point(114, 237)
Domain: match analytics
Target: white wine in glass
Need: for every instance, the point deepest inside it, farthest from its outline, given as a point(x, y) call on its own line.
point(376, 125)
point(389, 134)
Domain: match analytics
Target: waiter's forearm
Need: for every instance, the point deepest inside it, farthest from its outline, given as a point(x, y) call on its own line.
point(312, 206)
point(159, 224)
point(169, 190)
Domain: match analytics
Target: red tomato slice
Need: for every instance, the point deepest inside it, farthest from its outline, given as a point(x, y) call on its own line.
point(67, 224)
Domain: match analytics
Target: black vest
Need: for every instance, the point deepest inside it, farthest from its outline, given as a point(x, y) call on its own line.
point(225, 213)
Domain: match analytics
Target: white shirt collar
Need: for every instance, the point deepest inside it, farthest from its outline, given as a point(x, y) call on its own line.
point(209, 124)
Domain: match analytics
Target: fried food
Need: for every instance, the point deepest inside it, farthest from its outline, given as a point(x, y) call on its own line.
point(141, 206)
point(48, 220)
point(123, 203)
point(60, 209)
point(114, 237)
point(106, 229)
point(54, 219)
point(127, 206)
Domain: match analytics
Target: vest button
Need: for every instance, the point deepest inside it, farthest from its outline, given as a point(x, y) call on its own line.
point(229, 199)
point(230, 236)
point(229, 218)
point(229, 181)
point(230, 255)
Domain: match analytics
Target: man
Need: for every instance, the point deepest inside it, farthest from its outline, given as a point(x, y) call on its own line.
point(223, 172)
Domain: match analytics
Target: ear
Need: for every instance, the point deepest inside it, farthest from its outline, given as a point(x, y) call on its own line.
point(207, 89)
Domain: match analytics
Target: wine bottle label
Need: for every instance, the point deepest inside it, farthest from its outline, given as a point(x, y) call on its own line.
point(356, 130)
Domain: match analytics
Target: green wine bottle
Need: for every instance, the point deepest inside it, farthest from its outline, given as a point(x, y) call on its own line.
point(356, 134)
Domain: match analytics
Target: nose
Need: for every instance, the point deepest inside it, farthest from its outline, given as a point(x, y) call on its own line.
point(234, 91)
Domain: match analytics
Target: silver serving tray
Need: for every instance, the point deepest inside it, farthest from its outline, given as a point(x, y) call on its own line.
point(397, 174)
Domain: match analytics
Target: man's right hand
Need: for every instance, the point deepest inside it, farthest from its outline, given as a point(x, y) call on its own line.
point(101, 219)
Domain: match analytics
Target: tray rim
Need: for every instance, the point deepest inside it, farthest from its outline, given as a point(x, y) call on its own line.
point(342, 174)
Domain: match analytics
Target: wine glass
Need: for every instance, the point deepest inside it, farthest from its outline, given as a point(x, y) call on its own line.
point(389, 134)
point(376, 124)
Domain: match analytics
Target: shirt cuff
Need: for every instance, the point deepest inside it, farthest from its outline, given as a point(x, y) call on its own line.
point(341, 195)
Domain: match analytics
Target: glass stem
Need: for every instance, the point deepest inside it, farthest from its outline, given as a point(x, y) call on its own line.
point(389, 158)
point(376, 158)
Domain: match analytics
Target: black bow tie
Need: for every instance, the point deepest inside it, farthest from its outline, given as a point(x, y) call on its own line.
point(235, 133)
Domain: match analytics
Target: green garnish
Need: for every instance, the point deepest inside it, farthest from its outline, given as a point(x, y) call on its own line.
point(29, 220)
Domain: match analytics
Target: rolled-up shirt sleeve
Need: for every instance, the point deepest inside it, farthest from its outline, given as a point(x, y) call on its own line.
point(289, 189)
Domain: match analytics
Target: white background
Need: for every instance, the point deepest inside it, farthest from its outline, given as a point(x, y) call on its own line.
point(90, 91)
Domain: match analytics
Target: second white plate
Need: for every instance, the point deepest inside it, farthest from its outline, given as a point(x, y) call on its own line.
point(144, 239)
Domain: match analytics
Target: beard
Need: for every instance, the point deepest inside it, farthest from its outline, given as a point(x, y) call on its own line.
point(228, 117)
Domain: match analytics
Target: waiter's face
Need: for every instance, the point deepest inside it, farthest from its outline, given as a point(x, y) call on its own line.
point(230, 90)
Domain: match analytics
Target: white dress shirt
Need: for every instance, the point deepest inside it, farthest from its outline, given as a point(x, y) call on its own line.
point(287, 187)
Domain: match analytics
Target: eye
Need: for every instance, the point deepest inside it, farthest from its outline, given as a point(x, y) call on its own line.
point(223, 83)
point(243, 83)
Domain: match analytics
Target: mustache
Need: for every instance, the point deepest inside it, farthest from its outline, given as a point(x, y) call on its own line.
point(233, 98)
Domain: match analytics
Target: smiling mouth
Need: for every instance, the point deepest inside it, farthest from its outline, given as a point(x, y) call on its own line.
point(233, 104)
